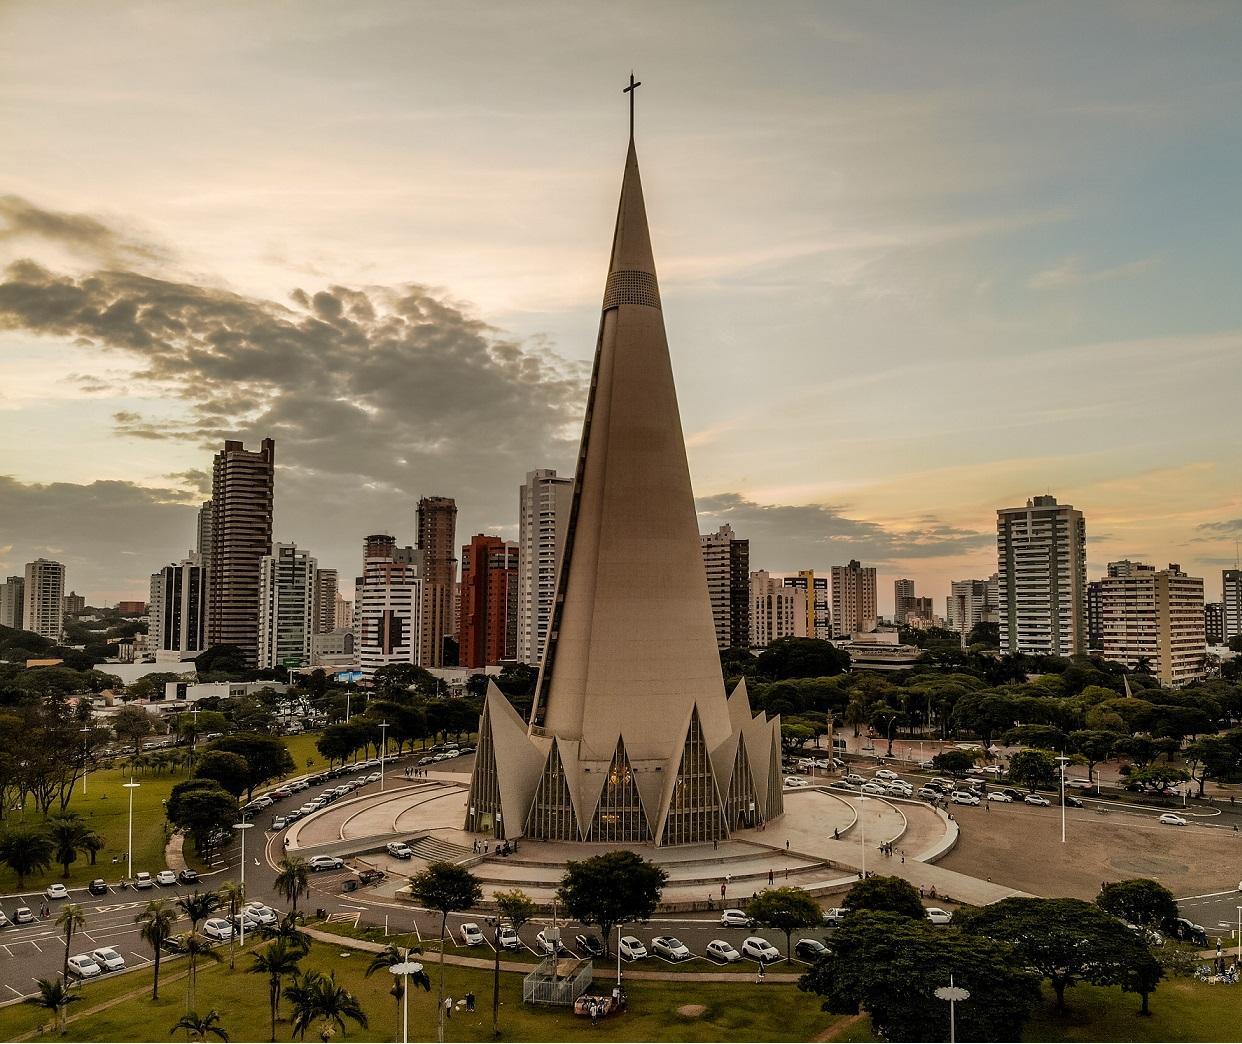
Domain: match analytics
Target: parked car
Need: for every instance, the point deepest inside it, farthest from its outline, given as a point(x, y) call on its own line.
point(245, 921)
point(853, 778)
point(265, 915)
point(98, 887)
point(292, 814)
point(670, 948)
point(1073, 802)
point(471, 934)
point(999, 795)
point(279, 823)
point(23, 915)
point(964, 797)
point(143, 880)
point(1037, 799)
point(166, 878)
point(632, 948)
point(875, 789)
point(108, 959)
point(900, 788)
point(217, 928)
point(834, 915)
point(399, 850)
point(187, 876)
point(735, 919)
point(929, 793)
point(722, 951)
point(326, 862)
point(938, 916)
point(759, 949)
point(84, 966)
point(795, 782)
point(546, 945)
point(589, 945)
point(374, 777)
point(1079, 784)
point(1188, 931)
point(56, 891)
point(263, 802)
point(508, 938)
point(1172, 819)
point(810, 950)
point(886, 774)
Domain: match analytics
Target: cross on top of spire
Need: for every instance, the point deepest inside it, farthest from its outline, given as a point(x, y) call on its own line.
point(630, 91)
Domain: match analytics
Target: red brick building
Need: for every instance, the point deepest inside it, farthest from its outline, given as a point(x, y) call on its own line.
point(487, 633)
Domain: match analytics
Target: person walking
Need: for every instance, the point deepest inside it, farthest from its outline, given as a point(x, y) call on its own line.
point(763, 967)
point(470, 1001)
point(448, 1007)
point(770, 876)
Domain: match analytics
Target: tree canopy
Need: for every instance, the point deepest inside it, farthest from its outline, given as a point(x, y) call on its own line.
point(610, 889)
point(880, 894)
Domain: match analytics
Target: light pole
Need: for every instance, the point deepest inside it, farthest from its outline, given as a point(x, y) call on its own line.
point(131, 786)
point(86, 767)
point(243, 826)
point(405, 969)
point(1062, 759)
point(383, 749)
point(862, 833)
point(952, 994)
point(618, 956)
point(1240, 935)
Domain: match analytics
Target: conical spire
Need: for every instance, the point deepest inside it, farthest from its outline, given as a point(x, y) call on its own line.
point(631, 242)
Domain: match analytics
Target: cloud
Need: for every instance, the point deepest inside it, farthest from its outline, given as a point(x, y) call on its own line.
point(21, 220)
point(1073, 272)
point(819, 535)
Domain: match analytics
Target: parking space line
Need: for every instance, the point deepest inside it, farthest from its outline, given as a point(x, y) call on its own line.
point(145, 960)
point(35, 945)
point(8, 987)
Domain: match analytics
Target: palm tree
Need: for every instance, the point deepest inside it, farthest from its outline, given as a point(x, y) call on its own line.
point(318, 996)
point(195, 945)
point(448, 888)
point(232, 894)
point(200, 1027)
point(292, 879)
point(71, 918)
point(855, 713)
point(198, 907)
point(157, 922)
point(277, 960)
point(68, 834)
point(288, 929)
point(390, 956)
point(55, 996)
point(26, 850)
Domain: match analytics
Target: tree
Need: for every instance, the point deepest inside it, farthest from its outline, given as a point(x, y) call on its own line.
point(266, 757)
point(132, 725)
point(1064, 940)
point(1095, 745)
point(1140, 901)
point(54, 995)
point(231, 895)
point(194, 945)
point(1046, 737)
point(1158, 778)
point(69, 836)
point(786, 910)
point(227, 769)
point(200, 1027)
point(1215, 757)
point(26, 850)
point(885, 895)
point(292, 879)
point(956, 762)
point(157, 922)
point(986, 634)
point(198, 906)
point(389, 957)
point(276, 960)
point(317, 996)
point(448, 888)
point(611, 889)
point(70, 919)
point(802, 658)
point(517, 908)
point(221, 659)
point(1033, 769)
point(288, 930)
point(200, 808)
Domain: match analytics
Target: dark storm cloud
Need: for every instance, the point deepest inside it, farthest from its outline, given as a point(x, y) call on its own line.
point(20, 219)
point(787, 537)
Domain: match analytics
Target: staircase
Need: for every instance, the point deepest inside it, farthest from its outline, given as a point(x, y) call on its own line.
point(431, 849)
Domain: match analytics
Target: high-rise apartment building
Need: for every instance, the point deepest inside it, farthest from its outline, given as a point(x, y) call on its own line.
point(727, 562)
point(286, 607)
point(324, 613)
point(903, 599)
point(818, 591)
point(1154, 616)
point(487, 632)
point(1042, 576)
point(203, 543)
point(44, 593)
point(853, 599)
point(1214, 623)
point(1231, 604)
point(177, 611)
point(343, 617)
point(388, 604)
point(74, 604)
point(437, 532)
point(13, 602)
point(543, 518)
point(776, 611)
point(241, 535)
point(970, 602)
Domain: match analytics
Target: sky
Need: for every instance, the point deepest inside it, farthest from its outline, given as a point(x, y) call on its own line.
point(918, 261)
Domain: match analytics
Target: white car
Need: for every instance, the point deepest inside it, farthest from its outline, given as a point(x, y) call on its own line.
point(1170, 819)
point(794, 782)
point(472, 935)
point(1080, 784)
point(399, 850)
point(759, 949)
point(218, 928)
point(1037, 799)
point(260, 803)
point(835, 915)
point(265, 915)
point(509, 938)
point(57, 891)
point(999, 795)
point(84, 966)
point(853, 778)
point(737, 919)
point(279, 823)
point(546, 945)
point(374, 777)
point(724, 952)
point(900, 788)
point(23, 915)
point(886, 774)
point(246, 921)
point(166, 878)
point(670, 948)
point(326, 862)
point(108, 959)
point(632, 948)
point(878, 789)
point(142, 879)
point(938, 916)
point(964, 797)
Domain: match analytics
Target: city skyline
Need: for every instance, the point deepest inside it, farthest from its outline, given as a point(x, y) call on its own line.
point(969, 284)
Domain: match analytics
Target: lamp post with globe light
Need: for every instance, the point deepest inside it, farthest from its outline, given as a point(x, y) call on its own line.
point(952, 994)
point(405, 969)
point(131, 786)
point(243, 826)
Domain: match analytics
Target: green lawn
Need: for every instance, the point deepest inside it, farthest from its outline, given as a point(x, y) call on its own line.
point(1181, 1009)
point(732, 1013)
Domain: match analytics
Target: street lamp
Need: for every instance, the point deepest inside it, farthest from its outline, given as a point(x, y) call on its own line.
point(1240, 935)
point(405, 969)
point(383, 749)
point(86, 767)
point(131, 786)
point(1062, 759)
point(618, 956)
point(243, 826)
point(952, 994)
point(862, 833)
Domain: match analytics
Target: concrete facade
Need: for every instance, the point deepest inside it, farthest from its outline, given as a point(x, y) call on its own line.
point(543, 518)
point(287, 581)
point(13, 602)
point(776, 611)
point(853, 599)
point(1154, 616)
point(44, 593)
point(726, 560)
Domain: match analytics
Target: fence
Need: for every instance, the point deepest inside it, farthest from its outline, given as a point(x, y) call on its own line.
point(545, 986)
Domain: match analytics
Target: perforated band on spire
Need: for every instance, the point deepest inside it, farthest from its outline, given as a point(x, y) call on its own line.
point(631, 287)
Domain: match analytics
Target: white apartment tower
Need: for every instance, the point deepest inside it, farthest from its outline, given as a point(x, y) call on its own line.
point(776, 611)
point(1231, 603)
point(1153, 615)
point(543, 518)
point(388, 605)
point(44, 591)
point(853, 599)
point(1042, 578)
point(286, 607)
point(13, 602)
point(177, 611)
point(818, 602)
point(971, 602)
